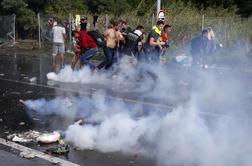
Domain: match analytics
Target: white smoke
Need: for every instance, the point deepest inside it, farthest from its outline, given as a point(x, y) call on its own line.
point(209, 128)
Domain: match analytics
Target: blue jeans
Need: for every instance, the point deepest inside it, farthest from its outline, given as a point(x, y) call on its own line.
point(87, 55)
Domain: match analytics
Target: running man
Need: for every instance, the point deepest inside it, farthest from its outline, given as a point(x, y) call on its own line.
point(88, 49)
point(112, 37)
point(153, 45)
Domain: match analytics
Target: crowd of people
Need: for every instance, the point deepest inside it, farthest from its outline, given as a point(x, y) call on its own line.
point(119, 40)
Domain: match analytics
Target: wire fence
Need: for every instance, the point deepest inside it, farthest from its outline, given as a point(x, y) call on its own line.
point(231, 31)
point(7, 26)
point(228, 30)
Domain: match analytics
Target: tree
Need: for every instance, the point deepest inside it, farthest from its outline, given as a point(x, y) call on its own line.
point(63, 8)
point(245, 7)
point(38, 6)
point(25, 17)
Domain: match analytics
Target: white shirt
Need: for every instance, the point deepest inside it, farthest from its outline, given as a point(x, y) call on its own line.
point(58, 34)
point(138, 32)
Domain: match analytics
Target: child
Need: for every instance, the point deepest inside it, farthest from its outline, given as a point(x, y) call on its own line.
point(165, 38)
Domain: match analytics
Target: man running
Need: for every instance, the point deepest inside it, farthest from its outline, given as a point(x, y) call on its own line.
point(112, 37)
point(88, 49)
point(153, 45)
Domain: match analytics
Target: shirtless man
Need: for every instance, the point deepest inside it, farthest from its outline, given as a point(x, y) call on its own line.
point(112, 36)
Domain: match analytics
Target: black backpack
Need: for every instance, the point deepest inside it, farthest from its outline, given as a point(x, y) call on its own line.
point(131, 42)
point(98, 38)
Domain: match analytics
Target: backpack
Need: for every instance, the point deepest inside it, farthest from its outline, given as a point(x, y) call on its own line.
point(131, 42)
point(132, 37)
point(98, 38)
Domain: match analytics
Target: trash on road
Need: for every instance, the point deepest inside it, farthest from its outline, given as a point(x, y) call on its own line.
point(62, 148)
point(35, 136)
point(33, 79)
point(51, 76)
point(22, 123)
point(35, 119)
point(184, 60)
point(29, 136)
point(21, 101)
point(49, 137)
point(27, 155)
point(20, 139)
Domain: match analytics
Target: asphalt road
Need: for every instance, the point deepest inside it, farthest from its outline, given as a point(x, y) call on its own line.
point(17, 70)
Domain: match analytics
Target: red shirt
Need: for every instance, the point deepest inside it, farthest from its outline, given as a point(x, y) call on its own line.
point(86, 40)
point(165, 37)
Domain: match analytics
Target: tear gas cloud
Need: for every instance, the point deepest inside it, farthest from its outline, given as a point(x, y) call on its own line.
point(212, 126)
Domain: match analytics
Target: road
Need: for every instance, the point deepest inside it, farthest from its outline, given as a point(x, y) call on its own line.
point(17, 70)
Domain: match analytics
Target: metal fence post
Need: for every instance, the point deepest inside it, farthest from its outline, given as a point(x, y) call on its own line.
point(39, 33)
point(203, 22)
point(70, 32)
point(107, 21)
point(158, 6)
point(14, 29)
point(152, 20)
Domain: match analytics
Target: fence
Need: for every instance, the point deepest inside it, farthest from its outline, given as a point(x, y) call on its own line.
point(230, 31)
point(227, 30)
point(7, 26)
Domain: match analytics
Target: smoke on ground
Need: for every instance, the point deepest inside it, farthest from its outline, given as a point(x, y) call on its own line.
point(211, 127)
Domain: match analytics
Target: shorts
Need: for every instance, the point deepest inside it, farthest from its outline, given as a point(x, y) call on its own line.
point(58, 47)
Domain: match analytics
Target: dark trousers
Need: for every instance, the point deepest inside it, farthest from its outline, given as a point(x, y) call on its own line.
point(110, 58)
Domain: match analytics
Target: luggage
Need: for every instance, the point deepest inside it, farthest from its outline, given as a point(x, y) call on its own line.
point(98, 38)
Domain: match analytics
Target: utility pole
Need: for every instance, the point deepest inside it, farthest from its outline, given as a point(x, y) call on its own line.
point(158, 6)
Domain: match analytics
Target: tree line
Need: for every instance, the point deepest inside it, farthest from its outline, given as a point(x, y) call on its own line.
point(26, 10)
